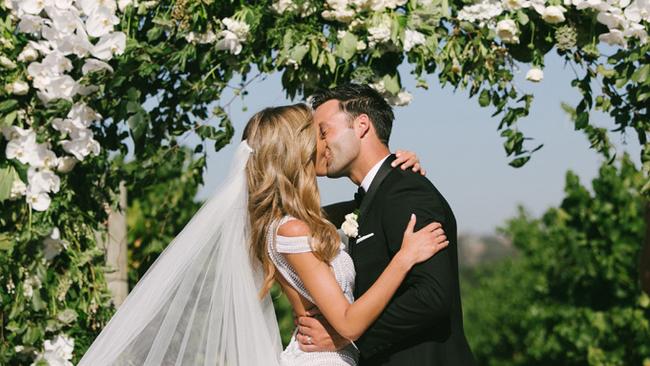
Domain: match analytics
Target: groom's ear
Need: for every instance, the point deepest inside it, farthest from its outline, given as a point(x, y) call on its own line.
point(362, 125)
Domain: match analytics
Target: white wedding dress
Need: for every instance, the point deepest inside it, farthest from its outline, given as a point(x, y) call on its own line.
point(198, 303)
point(343, 269)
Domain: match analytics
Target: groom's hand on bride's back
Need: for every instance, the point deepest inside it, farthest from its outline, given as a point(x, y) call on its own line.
point(316, 335)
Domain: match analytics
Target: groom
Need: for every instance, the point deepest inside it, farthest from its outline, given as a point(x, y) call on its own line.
point(422, 324)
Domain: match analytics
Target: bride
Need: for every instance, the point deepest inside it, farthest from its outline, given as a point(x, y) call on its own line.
point(205, 300)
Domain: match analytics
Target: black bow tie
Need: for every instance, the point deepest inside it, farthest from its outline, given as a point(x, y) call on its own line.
point(358, 197)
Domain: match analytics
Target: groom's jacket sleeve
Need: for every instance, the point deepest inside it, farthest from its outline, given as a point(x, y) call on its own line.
point(424, 298)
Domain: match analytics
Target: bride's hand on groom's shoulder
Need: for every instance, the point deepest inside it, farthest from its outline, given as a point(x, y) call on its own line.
point(316, 335)
point(408, 159)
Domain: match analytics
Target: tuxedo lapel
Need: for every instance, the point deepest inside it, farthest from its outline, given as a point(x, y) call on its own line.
point(384, 169)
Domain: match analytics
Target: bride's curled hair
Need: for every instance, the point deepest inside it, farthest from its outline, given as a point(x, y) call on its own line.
point(282, 181)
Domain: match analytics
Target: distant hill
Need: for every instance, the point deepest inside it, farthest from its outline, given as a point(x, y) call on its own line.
point(479, 249)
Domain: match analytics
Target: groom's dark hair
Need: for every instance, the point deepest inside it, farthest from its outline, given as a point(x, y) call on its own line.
point(357, 99)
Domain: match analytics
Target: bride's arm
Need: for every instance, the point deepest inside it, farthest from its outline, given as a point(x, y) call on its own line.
point(351, 320)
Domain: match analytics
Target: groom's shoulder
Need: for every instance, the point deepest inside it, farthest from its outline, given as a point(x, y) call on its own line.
point(400, 179)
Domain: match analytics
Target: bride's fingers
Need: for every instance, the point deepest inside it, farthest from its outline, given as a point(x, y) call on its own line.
point(441, 246)
point(400, 158)
point(438, 232)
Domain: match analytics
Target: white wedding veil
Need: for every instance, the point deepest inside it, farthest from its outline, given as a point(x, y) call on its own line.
point(198, 303)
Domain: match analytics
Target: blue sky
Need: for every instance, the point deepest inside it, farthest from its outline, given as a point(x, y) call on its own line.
point(461, 149)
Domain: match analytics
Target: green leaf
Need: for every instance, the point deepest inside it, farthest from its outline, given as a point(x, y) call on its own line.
point(522, 17)
point(67, 316)
point(5, 242)
point(484, 98)
point(299, 52)
point(9, 119)
point(641, 74)
point(37, 302)
point(391, 83)
point(331, 62)
point(519, 162)
point(7, 105)
point(608, 73)
point(138, 125)
point(643, 97)
point(582, 120)
point(347, 47)
point(7, 177)
point(313, 51)
point(32, 335)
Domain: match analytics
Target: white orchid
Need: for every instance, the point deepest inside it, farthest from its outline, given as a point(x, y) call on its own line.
point(56, 63)
point(82, 115)
point(30, 23)
point(18, 87)
point(229, 42)
point(535, 75)
point(7, 63)
point(483, 11)
point(58, 87)
point(44, 158)
point(64, 21)
point(507, 30)
point(15, 132)
point(338, 10)
point(44, 47)
point(110, 45)
point(91, 6)
point(613, 37)
point(58, 352)
point(63, 125)
point(240, 28)
point(76, 44)
point(43, 180)
point(611, 19)
point(401, 99)
point(413, 38)
point(554, 14)
point(101, 22)
point(18, 189)
point(22, 148)
point(515, 4)
point(92, 65)
point(638, 10)
point(28, 54)
point(638, 31)
point(201, 38)
point(66, 164)
point(33, 6)
point(38, 201)
point(82, 146)
point(379, 34)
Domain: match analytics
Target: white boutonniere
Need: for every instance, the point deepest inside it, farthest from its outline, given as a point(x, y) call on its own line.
point(351, 227)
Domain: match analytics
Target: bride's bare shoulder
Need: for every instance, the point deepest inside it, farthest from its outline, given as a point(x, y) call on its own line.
point(293, 228)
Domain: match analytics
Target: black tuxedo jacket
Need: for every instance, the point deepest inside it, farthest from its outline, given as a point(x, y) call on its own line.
point(422, 324)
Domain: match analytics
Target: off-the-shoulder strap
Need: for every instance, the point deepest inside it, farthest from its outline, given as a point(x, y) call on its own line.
point(291, 244)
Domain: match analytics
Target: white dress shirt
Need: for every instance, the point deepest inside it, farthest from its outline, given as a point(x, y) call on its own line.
point(367, 180)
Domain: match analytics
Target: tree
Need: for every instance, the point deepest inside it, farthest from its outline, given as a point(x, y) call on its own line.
point(571, 297)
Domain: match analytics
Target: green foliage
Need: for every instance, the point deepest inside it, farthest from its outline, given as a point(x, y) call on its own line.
point(159, 209)
point(572, 295)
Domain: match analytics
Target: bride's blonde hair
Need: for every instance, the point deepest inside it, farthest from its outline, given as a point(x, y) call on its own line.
point(281, 176)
